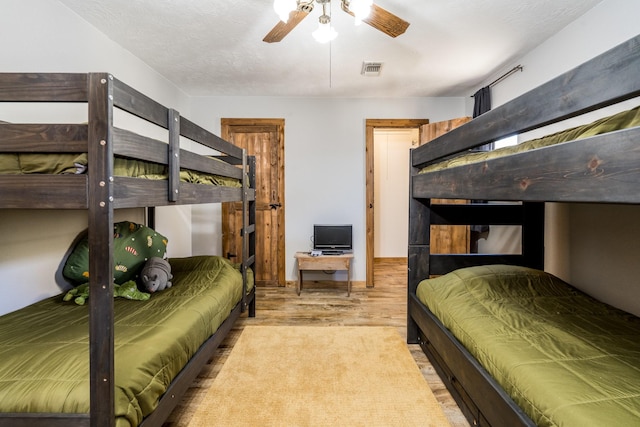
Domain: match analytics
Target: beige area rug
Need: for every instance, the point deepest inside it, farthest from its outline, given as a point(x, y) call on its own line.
point(319, 376)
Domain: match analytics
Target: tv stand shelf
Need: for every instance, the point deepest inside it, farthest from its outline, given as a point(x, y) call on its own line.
point(323, 262)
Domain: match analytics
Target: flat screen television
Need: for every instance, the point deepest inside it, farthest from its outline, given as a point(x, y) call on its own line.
point(332, 237)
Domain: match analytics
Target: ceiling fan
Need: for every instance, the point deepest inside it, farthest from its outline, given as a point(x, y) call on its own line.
point(378, 18)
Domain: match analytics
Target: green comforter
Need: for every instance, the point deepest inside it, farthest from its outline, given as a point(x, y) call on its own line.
point(565, 358)
point(44, 358)
point(57, 164)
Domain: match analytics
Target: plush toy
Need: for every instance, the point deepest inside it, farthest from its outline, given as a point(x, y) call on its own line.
point(128, 290)
point(156, 275)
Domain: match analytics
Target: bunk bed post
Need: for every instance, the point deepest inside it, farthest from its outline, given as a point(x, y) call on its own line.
point(251, 262)
point(100, 212)
point(151, 217)
point(418, 249)
point(248, 226)
point(244, 234)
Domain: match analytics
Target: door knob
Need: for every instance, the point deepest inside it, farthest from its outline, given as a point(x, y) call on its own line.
point(274, 205)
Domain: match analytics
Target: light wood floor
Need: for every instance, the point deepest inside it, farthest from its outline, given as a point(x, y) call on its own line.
point(326, 303)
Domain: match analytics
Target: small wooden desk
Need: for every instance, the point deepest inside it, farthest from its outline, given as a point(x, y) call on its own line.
point(323, 262)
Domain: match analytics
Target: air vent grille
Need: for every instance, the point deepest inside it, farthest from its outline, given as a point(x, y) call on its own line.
point(371, 68)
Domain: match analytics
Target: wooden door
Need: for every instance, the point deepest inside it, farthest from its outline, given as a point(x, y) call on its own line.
point(264, 139)
point(446, 239)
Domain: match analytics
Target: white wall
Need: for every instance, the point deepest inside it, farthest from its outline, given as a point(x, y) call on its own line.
point(324, 156)
point(41, 36)
point(592, 246)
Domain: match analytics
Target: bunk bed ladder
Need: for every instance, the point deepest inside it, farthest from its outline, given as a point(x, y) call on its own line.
point(248, 227)
point(418, 249)
point(528, 215)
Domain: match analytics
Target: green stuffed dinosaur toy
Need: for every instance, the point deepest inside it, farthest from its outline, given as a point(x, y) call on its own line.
point(127, 290)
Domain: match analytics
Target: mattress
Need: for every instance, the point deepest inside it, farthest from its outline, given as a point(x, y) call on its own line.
point(565, 358)
point(623, 120)
point(30, 163)
point(44, 351)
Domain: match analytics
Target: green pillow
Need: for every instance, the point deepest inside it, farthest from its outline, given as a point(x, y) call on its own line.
point(133, 244)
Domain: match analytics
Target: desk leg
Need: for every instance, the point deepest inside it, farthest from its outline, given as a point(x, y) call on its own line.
point(299, 287)
point(349, 280)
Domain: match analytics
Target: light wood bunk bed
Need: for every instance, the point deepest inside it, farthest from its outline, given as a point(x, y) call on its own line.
point(604, 168)
point(99, 192)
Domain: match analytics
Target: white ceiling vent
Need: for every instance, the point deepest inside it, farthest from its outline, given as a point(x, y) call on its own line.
point(371, 68)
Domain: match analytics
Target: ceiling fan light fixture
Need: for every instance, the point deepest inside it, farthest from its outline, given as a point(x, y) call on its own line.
point(367, 12)
point(325, 32)
point(361, 9)
point(284, 8)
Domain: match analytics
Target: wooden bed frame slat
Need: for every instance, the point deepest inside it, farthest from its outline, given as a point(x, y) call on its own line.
point(445, 214)
point(604, 170)
point(130, 144)
point(43, 138)
point(193, 131)
point(138, 104)
point(209, 165)
point(131, 192)
point(193, 193)
point(25, 419)
point(43, 191)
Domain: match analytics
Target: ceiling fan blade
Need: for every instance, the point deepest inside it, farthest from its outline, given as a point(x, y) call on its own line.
point(283, 28)
point(383, 20)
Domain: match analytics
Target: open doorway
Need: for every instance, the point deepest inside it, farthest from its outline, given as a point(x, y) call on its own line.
point(370, 209)
point(391, 149)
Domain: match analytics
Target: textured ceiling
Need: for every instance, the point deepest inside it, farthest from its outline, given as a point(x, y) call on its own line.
point(215, 47)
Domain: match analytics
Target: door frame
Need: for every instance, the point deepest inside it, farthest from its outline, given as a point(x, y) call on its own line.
point(225, 123)
point(371, 125)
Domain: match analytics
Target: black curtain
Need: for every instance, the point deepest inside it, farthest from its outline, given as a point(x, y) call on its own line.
point(482, 104)
point(482, 101)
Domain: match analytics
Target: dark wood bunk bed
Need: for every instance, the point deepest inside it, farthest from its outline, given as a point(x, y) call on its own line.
point(99, 193)
point(601, 169)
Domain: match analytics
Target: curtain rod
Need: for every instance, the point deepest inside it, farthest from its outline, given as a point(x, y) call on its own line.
point(505, 75)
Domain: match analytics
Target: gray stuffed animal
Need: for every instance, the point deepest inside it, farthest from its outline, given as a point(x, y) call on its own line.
point(156, 274)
